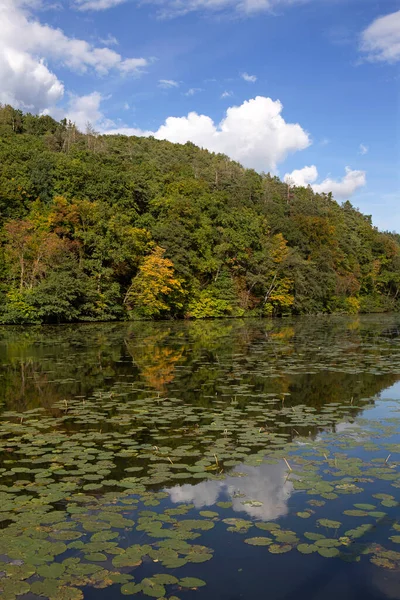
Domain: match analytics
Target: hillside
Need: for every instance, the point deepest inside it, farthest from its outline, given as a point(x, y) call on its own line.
point(100, 228)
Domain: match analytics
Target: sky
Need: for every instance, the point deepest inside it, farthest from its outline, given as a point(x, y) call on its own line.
point(308, 90)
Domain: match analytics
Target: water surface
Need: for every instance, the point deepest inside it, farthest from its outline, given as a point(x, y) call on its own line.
point(217, 460)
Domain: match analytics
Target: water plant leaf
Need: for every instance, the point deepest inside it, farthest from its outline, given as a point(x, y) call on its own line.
point(279, 548)
point(306, 548)
point(51, 571)
point(355, 513)
point(329, 523)
point(258, 541)
point(191, 583)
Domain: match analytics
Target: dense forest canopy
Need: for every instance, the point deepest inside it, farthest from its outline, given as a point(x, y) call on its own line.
point(98, 228)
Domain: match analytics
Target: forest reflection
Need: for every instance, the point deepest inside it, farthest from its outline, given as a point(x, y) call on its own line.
point(303, 361)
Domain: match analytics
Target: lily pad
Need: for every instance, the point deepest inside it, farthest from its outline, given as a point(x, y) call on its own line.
point(306, 548)
point(258, 541)
point(329, 523)
point(191, 583)
point(279, 548)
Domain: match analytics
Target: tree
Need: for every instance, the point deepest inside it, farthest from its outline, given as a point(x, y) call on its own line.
point(155, 291)
point(269, 276)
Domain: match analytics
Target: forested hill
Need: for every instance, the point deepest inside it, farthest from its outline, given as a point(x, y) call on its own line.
point(110, 227)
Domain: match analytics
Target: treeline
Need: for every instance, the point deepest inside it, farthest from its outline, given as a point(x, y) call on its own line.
point(98, 228)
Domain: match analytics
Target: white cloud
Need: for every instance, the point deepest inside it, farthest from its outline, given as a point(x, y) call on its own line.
point(26, 48)
point(129, 131)
point(110, 40)
point(302, 177)
point(82, 110)
point(193, 91)
point(132, 65)
point(168, 83)
point(249, 78)
point(85, 109)
point(381, 40)
point(341, 189)
point(97, 4)
point(21, 32)
point(170, 8)
point(363, 149)
point(226, 94)
point(27, 83)
point(254, 133)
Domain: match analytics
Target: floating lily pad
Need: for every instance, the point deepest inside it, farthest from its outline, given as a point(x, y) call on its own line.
point(258, 541)
point(355, 513)
point(279, 548)
point(267, 526)
point(51, 571)
point(306, 548)
point(224, 504)
point(129, 589)
point(191, 583)
point(329, 523)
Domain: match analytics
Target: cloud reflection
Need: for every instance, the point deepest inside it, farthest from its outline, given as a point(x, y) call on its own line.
point(267, 484)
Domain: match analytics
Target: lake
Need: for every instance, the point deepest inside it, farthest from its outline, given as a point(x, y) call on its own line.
point(226, 460)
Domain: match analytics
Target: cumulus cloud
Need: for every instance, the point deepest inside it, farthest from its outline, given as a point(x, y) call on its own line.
point(168, 83)
point(363, 149)
point(26, 48)
point(21, 32)
point(302, 177)
point(340, 188)
point(82, 110)
point(226, 94)
point(170, 8)
point(249, 78)
point(85, 109)
point(254, 133)
point(27, 83)
point(381, 40)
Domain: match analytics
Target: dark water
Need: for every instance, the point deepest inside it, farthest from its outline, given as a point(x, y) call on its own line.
point(280, 433)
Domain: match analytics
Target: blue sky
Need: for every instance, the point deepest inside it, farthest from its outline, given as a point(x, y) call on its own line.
point(130, 66)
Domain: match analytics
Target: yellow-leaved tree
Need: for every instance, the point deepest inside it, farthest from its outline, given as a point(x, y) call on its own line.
point(155, 291)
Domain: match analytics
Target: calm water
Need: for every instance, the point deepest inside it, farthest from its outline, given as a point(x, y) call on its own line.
point(260, 458)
